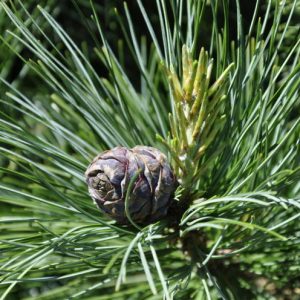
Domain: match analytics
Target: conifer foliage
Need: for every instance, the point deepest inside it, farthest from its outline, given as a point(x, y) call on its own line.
point(214, 85)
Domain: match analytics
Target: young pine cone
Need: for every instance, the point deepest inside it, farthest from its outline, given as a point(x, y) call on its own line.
point(110, 173)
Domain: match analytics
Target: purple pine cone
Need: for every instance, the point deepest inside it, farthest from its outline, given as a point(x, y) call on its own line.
point(110, 173)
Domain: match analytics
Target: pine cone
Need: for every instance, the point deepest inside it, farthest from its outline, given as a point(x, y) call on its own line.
point(110, 173)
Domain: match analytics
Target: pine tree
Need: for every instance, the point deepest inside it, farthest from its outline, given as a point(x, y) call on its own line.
point(212, 84)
